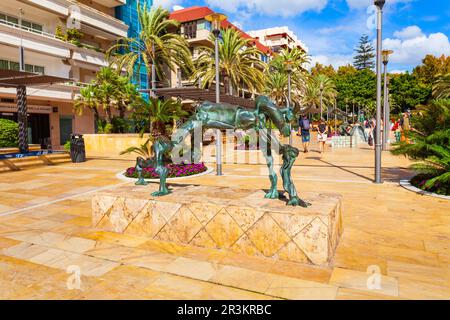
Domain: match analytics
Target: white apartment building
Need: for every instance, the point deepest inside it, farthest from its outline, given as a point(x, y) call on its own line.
point(278, 38)
point(50, 107)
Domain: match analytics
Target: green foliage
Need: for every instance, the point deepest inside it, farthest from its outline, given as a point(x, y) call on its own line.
point(67, 145)
point(432, 67)
point(431, 143)
point(276, 75)
point(321, 69)
point(239, 63)
point(108, 91)
point(365, 54)
point(312, 92)
point(157, 115)
point(9, 134)
point(441, 88)
point(154, 46)
point(356, 87)
point(407, 92)
point(144, 150)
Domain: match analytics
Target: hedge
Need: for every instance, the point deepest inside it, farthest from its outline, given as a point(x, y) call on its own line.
point(9, 134)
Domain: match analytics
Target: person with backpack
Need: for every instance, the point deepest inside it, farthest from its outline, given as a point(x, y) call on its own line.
point(304, 131)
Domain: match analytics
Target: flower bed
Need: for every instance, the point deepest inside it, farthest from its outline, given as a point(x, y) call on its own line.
point(420, 180)
point(175, 171)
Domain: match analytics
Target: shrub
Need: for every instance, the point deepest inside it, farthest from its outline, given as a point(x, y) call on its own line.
point(67, 145)
point(9, 133)
point(431, 143)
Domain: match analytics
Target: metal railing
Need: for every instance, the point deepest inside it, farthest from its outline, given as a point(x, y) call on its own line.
point(19, 27)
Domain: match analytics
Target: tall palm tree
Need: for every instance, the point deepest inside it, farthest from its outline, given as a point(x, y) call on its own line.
point(312, 91)
point(441, 88)
point(276, 84)
point(239, 63)
point(155, 46)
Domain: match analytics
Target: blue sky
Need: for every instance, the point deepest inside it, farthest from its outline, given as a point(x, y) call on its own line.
point(331, 28)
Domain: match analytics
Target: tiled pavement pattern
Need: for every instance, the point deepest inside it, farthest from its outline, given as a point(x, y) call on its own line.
point(237, 220)
point(45, 227)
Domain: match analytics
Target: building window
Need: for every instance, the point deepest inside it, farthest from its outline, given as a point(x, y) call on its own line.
point(11, 65)
point(190, 30)
point(26, 25)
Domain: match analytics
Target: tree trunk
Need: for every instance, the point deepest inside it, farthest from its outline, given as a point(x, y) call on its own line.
point(108, 116)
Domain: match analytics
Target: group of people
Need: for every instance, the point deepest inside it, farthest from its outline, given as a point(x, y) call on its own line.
point(304, 130)
point(399, 127)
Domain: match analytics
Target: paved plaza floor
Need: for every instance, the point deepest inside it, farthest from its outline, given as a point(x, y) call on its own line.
point(46, 238)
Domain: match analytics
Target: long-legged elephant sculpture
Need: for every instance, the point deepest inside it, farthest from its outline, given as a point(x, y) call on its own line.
point(225, 116)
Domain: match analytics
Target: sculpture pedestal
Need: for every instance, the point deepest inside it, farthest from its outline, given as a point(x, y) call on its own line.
point(238, 220)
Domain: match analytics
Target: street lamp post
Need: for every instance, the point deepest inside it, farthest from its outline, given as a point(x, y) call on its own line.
point(21, 49)
point(321, 100)
point(385, 55)
point(379, 4)
point(288, 64)
point(216, 19)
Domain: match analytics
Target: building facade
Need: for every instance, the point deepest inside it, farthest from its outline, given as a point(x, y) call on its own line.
point(41, 27)
point(278, 38)
point(197, 30)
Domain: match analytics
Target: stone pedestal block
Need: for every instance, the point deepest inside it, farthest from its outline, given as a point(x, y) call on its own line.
point(238, 220)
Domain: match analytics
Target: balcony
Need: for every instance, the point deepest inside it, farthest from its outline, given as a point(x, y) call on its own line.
point(38, 41)
point(88, 59)
point(88, 15)
point(111, 3)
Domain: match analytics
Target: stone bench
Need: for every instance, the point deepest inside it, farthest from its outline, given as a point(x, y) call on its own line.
point(238, 220)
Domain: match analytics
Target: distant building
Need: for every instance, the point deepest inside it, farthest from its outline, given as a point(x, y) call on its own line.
point(278, 38)
point(128, 13)
point(196, 29)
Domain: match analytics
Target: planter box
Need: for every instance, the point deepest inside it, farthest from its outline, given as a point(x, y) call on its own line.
point(241, 221)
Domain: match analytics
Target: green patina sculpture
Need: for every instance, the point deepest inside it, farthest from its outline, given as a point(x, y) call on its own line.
point(346, 129)
point(225, 116)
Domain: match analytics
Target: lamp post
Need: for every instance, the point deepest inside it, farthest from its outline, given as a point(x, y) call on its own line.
point(321, 100)
point(21, 49)
point(379, 4)
point(216, 19)
point(385, 56)
point(288, 64)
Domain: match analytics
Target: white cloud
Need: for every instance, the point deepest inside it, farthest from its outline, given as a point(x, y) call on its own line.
point(167, 4)
point(409, 33)
point(335, 60)
point(177, 7)
point(411, 50)
point(284, 8)
point(362, 4)
point(397, 71)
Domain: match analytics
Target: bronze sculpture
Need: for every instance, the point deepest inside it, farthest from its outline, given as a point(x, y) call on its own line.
point(225, 116)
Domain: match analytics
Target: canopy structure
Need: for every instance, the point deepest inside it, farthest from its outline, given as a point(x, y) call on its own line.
point(196, 94)
point(20, 80)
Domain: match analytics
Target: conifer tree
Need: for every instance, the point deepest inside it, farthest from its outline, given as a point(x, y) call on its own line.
point(364, 59)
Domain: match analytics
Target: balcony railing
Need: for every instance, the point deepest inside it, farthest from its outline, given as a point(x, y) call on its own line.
point(17, 26)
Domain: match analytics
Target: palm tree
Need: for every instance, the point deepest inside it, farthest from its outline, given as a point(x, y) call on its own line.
point(239, 63)
point(108, 91)
point(312, 91)
point(431, 136)
point(441, 88)
point(155, 46)
point(276, 84)
point(157, 115)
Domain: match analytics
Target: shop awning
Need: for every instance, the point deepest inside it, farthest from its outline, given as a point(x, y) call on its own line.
point(196, 94)
point(14, 78)
point(20, 80)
